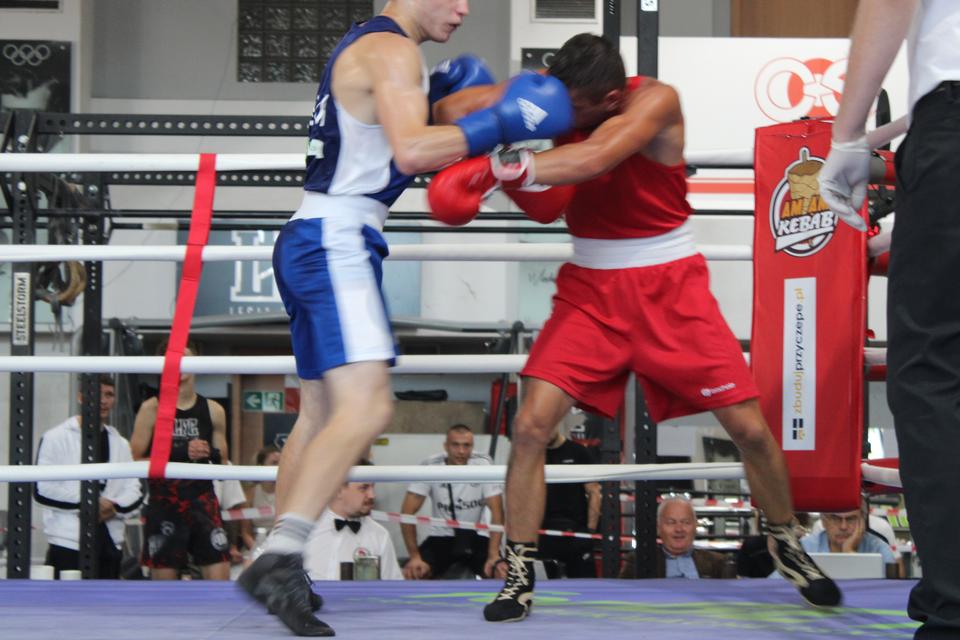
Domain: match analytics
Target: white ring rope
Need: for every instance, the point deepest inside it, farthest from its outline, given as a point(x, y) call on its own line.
point(874, 356)
point(881, 475)
point(558, 473)
point(149, 163)
point(879, 244)
point(492, 252)
point(453, 364)
point(207, 365)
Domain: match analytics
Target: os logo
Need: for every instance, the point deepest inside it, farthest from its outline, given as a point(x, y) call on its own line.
point(787, 89)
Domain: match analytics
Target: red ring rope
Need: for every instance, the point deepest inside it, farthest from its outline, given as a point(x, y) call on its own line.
point(183, 314)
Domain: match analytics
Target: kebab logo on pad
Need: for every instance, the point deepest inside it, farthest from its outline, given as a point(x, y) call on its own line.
point(800, 220)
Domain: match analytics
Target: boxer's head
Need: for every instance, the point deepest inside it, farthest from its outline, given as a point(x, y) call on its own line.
point(436, 20)
point(189, 350)
point(592, 70)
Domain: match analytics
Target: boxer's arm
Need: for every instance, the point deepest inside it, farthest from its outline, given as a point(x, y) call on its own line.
point(466, 101)
point(453, 107)
point(612, 142)
point(219, 418)
point(402, 108)
point(143, 429)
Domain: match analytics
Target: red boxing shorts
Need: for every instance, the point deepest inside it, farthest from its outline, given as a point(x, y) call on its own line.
point(660, 321)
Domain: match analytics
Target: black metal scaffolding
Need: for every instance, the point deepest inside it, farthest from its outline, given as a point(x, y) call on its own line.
point(28, 131)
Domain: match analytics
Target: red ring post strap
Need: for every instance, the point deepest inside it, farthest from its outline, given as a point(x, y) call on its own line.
point(183, 314)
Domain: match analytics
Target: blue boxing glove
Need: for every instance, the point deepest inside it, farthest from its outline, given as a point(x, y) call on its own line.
point(452, 75)
point(534, 106)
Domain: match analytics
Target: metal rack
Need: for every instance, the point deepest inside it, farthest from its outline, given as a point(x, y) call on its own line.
point(27, 131)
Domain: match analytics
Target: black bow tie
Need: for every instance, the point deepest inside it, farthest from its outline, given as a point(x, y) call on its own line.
point(353, 524)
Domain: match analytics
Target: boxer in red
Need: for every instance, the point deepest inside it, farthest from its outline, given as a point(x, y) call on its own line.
point(635, 298)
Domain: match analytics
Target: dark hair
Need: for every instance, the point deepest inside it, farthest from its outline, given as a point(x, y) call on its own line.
point(266, 451)
point(102, 378)
point(162, 347)
point(459, 427)
point(589, 64)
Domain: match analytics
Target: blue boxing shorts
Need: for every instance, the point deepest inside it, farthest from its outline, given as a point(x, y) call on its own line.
point(329, 271)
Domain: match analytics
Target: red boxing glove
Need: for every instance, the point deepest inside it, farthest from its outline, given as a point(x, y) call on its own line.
point(543, 205)
point(454, 195)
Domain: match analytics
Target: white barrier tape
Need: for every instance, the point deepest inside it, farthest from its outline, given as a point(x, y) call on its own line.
point(388, 516)
point(391, 516)
point(452, 364)
point(138, 162)
point(247, 513)
point(491, 252)
point(881, 475)
point(385, 473)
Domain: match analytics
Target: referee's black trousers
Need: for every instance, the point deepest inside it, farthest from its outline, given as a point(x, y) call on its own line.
point(923, 325)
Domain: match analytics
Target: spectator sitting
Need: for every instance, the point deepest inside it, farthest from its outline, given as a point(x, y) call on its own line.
point(263, 494)
point(60, 500)
point(230, 495)
point(676, 527)
point(876, 526)
point(479, 550)
point(847, 533)
point(345, 530)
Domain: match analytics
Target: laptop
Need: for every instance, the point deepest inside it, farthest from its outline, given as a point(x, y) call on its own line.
point(851, 566)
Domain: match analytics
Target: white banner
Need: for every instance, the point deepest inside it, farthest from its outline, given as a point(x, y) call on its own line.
point(799, 364)
point(730, 86)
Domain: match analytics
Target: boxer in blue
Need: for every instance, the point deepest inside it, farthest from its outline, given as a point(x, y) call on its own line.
point(369, 136)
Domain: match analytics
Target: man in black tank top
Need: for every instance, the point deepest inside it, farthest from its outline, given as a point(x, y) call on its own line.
point(182, 519)
point(573, 507)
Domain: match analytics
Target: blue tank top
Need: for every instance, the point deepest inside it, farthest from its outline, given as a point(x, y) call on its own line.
point(346, 156)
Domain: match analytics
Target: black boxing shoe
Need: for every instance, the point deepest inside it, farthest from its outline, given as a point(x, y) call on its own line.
point(793, 563)
point(278, 582)
point(316, 600)
point(515, 599)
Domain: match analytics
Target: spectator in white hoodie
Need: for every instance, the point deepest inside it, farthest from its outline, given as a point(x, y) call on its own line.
point(61, 499)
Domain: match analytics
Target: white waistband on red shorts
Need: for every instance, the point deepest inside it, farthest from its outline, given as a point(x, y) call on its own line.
point(356, 208)
point(626, 253)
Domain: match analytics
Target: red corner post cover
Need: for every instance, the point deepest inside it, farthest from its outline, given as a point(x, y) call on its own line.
point(809, 318)
point(183, 314)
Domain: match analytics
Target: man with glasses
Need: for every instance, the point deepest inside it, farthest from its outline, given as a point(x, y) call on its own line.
point(846, 532)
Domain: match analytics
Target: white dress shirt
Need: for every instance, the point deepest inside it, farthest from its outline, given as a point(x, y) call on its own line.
point(933, 47)
point(327, 548)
